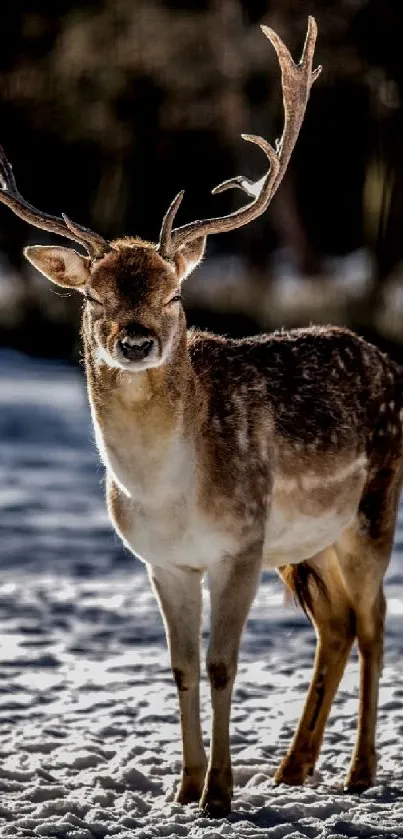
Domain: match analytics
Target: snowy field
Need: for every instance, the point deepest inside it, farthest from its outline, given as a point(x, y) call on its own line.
point(89, 743)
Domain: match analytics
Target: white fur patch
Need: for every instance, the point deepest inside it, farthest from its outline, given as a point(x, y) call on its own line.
point(312, 480)
point(152, 361)
point(160, 542)
point(103, 357)
point(241, 419)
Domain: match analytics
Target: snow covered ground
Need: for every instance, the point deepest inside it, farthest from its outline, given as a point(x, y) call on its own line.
point(89, 735)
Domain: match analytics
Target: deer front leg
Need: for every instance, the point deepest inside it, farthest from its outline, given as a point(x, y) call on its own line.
point(233, 585)
point(179, 594)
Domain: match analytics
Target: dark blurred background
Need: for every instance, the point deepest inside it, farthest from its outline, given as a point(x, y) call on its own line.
point(107, 109)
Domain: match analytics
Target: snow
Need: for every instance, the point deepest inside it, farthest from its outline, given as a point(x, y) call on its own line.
point(89, 742)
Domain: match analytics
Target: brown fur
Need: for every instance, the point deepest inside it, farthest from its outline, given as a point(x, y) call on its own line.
point(233, 455)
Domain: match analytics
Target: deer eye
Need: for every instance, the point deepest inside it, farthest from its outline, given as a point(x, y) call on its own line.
point(175, 299)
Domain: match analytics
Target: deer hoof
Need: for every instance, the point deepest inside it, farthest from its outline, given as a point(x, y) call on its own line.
point(355, 788)
point(190, 788)
point(216, 808)
point(356, 784)
point(187, 794)
point(217, 795)
point(293, 774)
point(361, 776)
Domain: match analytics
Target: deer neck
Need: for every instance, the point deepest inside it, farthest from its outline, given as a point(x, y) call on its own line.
point(142, 420)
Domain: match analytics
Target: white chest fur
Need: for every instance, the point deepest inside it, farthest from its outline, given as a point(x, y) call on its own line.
point(161, 520)
point(150, 475)
point(163, 542)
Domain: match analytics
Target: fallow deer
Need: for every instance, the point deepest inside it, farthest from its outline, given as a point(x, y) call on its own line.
point(226, 456)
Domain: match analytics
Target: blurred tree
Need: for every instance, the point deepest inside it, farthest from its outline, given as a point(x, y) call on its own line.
point(107, 109)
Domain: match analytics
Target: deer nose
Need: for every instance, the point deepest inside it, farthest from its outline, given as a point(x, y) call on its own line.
point(135, 347)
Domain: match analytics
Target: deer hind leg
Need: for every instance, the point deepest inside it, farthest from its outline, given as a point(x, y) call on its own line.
point(233, 584)
point(179, 594)
point(334, 622)
point(363, 562)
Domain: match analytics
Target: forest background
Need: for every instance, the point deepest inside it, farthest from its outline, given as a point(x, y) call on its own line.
point(107, 109)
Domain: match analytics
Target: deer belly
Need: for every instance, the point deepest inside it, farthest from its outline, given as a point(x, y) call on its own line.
point(310, 512)
point(293, 535)
point(290, 541)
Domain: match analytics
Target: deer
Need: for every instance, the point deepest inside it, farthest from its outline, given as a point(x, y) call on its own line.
point(226, 456)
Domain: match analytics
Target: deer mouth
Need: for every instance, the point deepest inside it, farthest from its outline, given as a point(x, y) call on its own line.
point(134, 354)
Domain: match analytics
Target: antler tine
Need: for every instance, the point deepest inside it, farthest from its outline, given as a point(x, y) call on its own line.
point(297, 80)
point(95, 245)
point(7, 179)
point(167, 222)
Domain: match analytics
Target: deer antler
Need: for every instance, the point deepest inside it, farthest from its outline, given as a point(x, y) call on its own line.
point(297, 80)
point(95, 245)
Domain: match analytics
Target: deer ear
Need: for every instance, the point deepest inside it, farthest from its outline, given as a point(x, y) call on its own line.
point(188, 257)
point(63, 266)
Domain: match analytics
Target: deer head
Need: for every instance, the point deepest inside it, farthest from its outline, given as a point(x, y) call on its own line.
point(131, 287)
